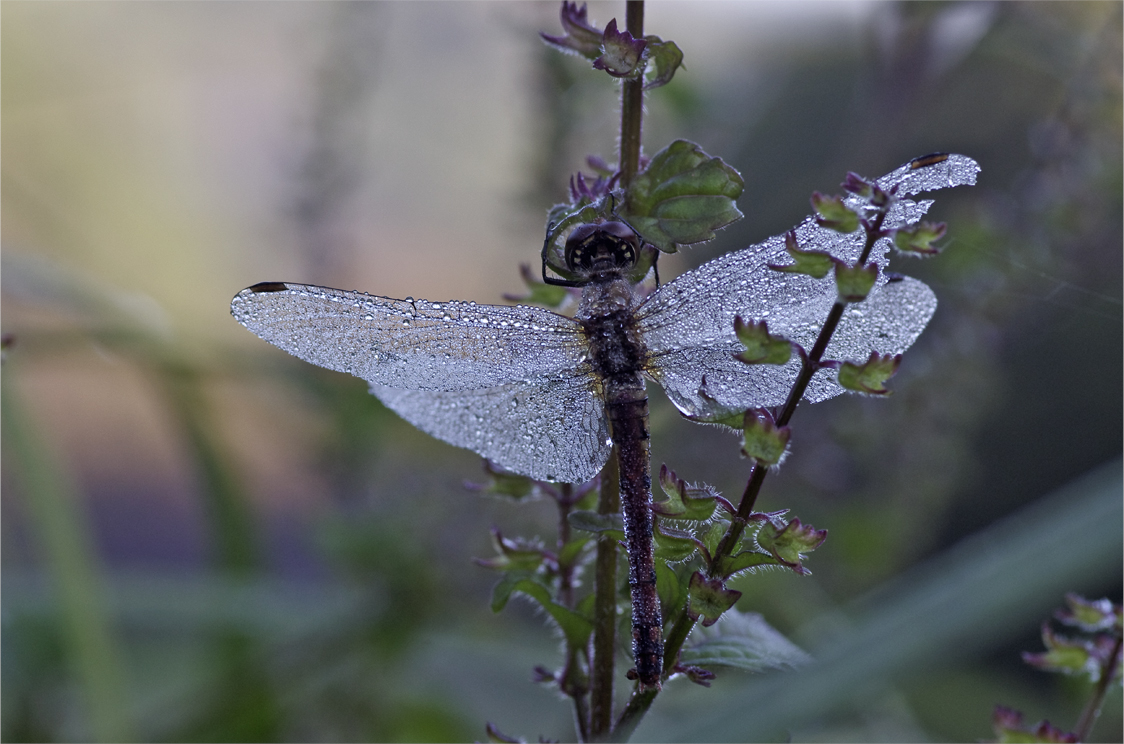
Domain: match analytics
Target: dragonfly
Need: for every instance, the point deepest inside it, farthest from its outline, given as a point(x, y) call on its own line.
point(548, 396)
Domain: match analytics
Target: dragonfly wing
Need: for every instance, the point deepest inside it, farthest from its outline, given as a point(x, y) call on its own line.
point(688, 323)
point(548, 429)
point(412, 344)
point(510, 383)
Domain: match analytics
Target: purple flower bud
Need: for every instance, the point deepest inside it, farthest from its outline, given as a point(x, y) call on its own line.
point(856, 184)
point(622, 55)
point(580, 36)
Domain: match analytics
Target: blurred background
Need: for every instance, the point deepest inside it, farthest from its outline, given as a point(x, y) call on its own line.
point(204, 539)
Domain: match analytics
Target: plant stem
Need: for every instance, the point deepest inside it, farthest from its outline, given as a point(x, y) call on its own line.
point(807, 370)
point(632, 102)
point(565, 573)
point(605, 609)
point(605, 606)
point(682, 626)
point(633, 713)
point(1093, 707)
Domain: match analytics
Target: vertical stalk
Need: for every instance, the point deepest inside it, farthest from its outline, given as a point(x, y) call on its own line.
point(1093, 707)
point(681, 627)
point(632, 102)
point(605, 606)
point(605, 609)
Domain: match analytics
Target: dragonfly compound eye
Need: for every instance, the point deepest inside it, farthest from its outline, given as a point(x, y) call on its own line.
point(600, 246)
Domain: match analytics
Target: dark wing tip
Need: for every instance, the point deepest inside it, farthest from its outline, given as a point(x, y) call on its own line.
point(262, 287)
point(926, 160)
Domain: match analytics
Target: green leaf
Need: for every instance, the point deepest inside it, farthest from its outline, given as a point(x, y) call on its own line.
point(673, 545)
point(518, 555)
point(715, 412)
point(671, 589)
point(918, 239)
point(571, 551)
point(664, 57)
point(714, 535)
point(682, 197)
point(507, 485)
point(833, 214)
point(609, 525)
point(576, 627)
point(684, 501)
point(815, 264)
point(1010, 729)
point(855, 282)
point(742, 640)
point(1089, 615)
point(732, 564)
point(762, 439)
point(789, 542)
point(1067, 655)
point(870, 376)
point(761, 347)
point(709, 598)
point(502, 591)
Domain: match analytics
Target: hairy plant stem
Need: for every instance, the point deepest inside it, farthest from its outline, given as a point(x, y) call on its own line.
point(1093, 708)
point(632, 102)
point(605, 603)
point(565, 573)
point(682, 626)
point(605, 609)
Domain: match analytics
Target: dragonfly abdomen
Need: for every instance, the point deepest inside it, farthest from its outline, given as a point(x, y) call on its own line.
point(627, 407)
point(617, 355)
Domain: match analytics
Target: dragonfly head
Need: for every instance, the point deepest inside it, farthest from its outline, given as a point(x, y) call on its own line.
point(602, 246)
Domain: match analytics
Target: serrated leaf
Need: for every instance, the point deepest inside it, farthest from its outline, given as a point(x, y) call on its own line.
point(1066, 655)
point(1010, 729)
point(670, 587)
point(870, 376)
point(763, 440)
point(682, 197)
point(664, 57)
point(609, 525)
point(673, 545)
point(714, 535)
point(789, 542)
point(816, 264)
point(761, 347)
point(742, 640)
point(684, 501)
point(833, 214)
point(1089, 615)
point(730, 565)
point(918, 239)
point(501, 592)
point(853, 283)
point(576, 627)
point(715, 412)
point(709, 598)
point(506, 485)
point(517, 555)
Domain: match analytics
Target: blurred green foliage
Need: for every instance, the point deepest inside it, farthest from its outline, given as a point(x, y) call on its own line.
point(320, 587)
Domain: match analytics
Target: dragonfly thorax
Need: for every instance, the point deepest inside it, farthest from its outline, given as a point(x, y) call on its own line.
point(600, 249)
